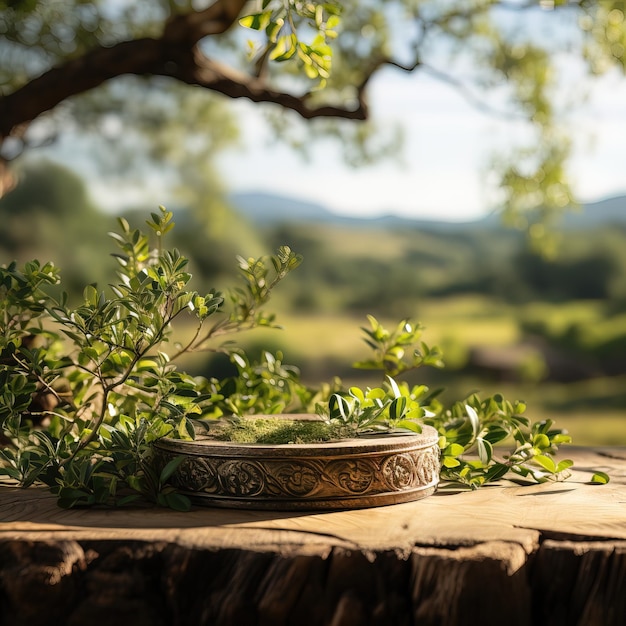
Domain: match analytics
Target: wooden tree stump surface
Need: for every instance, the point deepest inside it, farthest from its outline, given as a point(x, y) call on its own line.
point(521, 555)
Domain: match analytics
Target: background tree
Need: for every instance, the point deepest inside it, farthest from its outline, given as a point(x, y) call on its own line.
point(70, 62)
point(50, 215)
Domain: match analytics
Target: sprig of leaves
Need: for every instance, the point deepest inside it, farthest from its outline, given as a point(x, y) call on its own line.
point(399, 350)
point(472, 431)
point(110, 387)
point(281, 25)
point(387, 409)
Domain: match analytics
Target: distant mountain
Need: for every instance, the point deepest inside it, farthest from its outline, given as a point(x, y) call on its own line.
point(603, 212)
point(266, 209)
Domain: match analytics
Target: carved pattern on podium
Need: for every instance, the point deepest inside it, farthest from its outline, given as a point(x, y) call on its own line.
point(388, 475)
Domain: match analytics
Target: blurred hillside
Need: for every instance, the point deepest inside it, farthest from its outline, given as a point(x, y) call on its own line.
point(551, 331)
point(566, 309)
point(265, 209)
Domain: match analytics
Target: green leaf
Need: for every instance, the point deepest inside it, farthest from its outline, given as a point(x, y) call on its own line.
point(134, 483)
point(454, 449)
point(600, 478)
point(256, 21)
point(339, 408)
point(170, 468)
point(177, 501)
point(129, 499)
point(564, 465)
point(11, 472)
point(90, 294)
point(376, 393)
point(273, 29)
point(394, 387)
point(357, 393)
point(332, 22)
point(473, 417)
point(284, 49)
point(496, 471)
point(561, 438)
point(546, 462)
point(409, 425)
point(541, 441)
point(496, 434)
point(485, 450)
point(397, 408)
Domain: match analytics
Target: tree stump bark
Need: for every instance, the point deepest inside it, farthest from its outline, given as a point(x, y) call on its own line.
point(552, 554)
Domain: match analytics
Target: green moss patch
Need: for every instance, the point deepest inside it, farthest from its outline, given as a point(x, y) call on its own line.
point(279, 431)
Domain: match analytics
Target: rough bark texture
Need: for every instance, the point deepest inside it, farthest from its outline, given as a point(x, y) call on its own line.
point(48, 583)
point(552, 554)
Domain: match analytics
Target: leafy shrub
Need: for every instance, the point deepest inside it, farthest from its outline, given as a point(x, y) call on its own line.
point(85, 391)
point(109, 386)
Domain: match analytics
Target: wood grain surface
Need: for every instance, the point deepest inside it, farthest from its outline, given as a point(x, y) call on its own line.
point(551, 554)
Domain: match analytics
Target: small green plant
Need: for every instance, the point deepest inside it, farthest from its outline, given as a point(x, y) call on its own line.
point(86, 390)
point(472, 432)
point(374, 411)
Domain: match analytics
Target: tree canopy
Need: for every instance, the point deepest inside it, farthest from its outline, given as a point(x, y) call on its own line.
point(67, 63)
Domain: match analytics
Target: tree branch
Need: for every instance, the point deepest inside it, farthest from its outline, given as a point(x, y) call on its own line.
point(175, 55)
point(216, 76)
point(141, 56)
point(74, 77)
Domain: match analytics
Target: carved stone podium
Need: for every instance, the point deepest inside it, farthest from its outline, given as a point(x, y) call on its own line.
point(347, 474)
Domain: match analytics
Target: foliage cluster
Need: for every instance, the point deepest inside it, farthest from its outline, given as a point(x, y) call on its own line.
point(281, 25)
point(86, 390)
point(471, 432)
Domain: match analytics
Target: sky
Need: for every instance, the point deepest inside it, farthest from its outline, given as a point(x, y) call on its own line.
point(448, 146)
